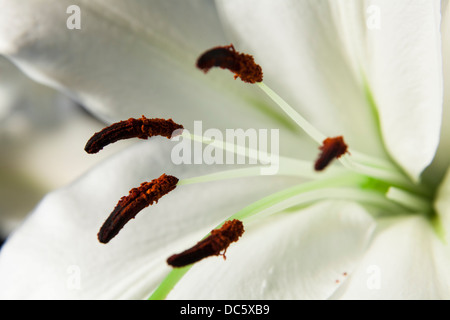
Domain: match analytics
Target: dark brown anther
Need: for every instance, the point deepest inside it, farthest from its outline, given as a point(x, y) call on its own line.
point(142, 128)
point(138, 198)
point(213, 245)
point(226, 57)
point(332, 148)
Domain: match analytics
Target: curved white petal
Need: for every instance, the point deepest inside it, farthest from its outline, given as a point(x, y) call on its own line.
point(343, 62)
point(56, 254)
point(406, 260)
point(131, 58)
point(441, 162)
point(405, 72)
point(304, 254)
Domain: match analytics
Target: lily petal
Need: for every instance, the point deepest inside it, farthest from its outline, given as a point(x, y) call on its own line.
point(56, 254)
point(406, 260)
point(405, 72)
point(305, 254)
point(441, 162)
point(129, 58)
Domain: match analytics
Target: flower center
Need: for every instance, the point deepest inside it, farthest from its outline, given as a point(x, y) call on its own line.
point(365, 179)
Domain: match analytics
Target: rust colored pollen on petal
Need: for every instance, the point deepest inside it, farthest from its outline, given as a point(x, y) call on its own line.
point(142, 128)
point(243, 65)
point(213, 245)
point(332, 148)
point(138, 198)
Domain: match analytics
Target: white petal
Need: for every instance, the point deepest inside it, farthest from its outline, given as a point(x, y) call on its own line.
point(405, 72)
point(304, 254)
point(308, 51)
point(39, 134)
point(131, 58)
point(441, 162)
point(405, 261)
point(55, 254)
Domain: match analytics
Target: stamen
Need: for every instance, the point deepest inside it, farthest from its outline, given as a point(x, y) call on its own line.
point(139, 198)
point(332, 148)
point(213, 245)
point(142, 128)
point(226, 57)
point(309, 129)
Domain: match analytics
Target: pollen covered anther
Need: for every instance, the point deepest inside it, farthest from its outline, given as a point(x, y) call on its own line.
point(332, 148)
point(141, 128)
point(138, 198)
point(213, 245)
point(226, 57)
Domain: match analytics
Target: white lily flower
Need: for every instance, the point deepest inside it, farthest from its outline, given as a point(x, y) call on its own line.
point(375, 225)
